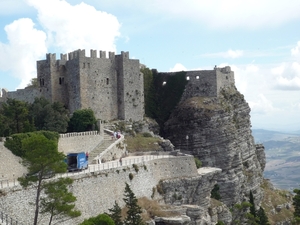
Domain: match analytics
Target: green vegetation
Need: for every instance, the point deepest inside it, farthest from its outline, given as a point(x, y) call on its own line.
point(116, 214)
point(296, 204)
point(141, 143)
point(272, 198)
point(215, 193)
point(136, 168)
point(161, 99)
point(82, 120)
point(47, 116)
point(33, 83)
point(41, 159)
point(59, 201)
point(133, 209)
point(130, 176)
point(20, 117)
point(198, 162)
point(101, 219)
point(14, 143)
point(15, 118)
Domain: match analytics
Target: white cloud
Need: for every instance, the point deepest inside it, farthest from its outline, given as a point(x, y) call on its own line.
point(296, 51)
point(26, 45)
point(223, 14)
point(177, 67)
point(65, 28)
point(229, 54)
point(262, 105)
point(287, 76)
point(79, 26)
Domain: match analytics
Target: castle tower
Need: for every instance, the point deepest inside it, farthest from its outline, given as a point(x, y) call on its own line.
point(130, 88)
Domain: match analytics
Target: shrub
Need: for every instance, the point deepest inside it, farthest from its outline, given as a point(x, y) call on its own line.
point(146, 134)
point(130, 176)
point(136, 168)
point(198, 162)
point(215, 192)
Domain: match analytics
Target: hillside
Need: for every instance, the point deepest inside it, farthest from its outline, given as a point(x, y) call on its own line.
point(282, 156)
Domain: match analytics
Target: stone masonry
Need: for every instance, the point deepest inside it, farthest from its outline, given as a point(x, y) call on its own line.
point(112, 87)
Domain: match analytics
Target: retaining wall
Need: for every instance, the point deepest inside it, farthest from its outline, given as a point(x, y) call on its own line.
point(96, 192)
point(79, 142)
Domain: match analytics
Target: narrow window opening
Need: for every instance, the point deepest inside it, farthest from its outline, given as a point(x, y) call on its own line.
point(107, 81)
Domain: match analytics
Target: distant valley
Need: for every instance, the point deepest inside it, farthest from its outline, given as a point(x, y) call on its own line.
point(282, 155)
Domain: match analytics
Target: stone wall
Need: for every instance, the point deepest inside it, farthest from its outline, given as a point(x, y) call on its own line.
point(112, 87)
point(79, 142)
point(98, 191)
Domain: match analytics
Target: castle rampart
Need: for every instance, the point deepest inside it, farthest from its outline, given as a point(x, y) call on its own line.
point(112, 87)
point(97, 191)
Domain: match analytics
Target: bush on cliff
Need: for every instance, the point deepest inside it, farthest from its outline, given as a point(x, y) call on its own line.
point(101, 219)
point(198, 162)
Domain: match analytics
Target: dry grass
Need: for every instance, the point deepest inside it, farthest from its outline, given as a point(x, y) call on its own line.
point(273, 198)
point(151, 208)
point(139, 143)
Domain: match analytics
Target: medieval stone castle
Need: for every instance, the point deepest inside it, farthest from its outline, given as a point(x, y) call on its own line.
point(112, 87)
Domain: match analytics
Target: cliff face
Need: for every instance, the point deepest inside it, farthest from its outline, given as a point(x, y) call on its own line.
point(217, 131)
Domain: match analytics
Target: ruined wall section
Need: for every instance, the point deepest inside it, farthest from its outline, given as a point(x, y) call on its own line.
point(130, 88)
point(225, 78)
point(201, 83)
point(27, 94)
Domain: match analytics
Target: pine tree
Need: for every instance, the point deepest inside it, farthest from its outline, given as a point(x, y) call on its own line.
point(134, 210)
point(115, 214)
point(252, 207)
point(263, 219)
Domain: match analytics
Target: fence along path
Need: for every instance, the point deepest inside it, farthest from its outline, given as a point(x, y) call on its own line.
point(95, 167)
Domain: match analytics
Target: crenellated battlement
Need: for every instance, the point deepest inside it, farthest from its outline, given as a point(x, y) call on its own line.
point(112, 86)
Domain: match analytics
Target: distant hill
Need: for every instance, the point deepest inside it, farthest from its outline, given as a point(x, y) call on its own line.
point(283, 157)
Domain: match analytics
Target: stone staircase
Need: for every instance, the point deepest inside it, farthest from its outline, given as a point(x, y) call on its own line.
point(104, 144)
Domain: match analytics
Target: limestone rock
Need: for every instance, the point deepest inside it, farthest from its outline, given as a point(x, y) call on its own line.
point(217, 130)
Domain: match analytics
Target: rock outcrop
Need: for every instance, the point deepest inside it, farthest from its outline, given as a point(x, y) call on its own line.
point(217, 131)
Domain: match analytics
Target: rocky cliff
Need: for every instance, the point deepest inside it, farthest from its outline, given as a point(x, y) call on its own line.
point(217, 131)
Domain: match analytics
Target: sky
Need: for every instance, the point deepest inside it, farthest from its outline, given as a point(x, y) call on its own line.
point(259, 39)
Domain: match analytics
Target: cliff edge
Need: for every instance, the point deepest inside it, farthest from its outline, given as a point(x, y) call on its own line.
point(217, 131)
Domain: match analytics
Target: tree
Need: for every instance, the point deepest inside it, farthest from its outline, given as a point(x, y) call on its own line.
point(41, 158)
point(58, 200)
point(263, 219)
point(101, 219)
point(252, 207)
point(296, 204)
point(115, 214)
point(82, 120)
point(16, 117)
point(134, 210)
point(33, 83)
point(47, 116)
